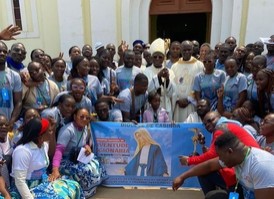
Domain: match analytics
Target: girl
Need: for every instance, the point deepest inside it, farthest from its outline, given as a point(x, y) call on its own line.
point(265, 90)
point(233, 93)
point(73, 136)
point(30, 161)
point(59, 76)
point(155, 113)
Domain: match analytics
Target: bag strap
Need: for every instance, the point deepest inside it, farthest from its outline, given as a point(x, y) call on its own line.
point(80, 138)
point(132, 110)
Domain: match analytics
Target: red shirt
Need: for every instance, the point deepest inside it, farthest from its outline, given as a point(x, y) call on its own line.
point(227, 173)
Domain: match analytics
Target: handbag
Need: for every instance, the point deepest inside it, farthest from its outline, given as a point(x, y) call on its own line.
point(74, 153)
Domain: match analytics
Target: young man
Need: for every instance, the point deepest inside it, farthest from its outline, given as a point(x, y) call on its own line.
point(134, 99)
point(104, 114)
point(10, 89)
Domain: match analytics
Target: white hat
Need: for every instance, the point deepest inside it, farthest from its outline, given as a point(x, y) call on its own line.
point(98, 45)
point(157, 45)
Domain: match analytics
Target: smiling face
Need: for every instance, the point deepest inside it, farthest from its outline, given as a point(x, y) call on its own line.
point(74, 52)
point(78, 88)
point(94, 67)
point(82, 117)
point(129, 58)
point(210, 120)
point(83, 68)
point(231, 67)
point(36, 71)
point(18, 52)
point(267, 125)
point(187, 50)
point(59, 68)
point(67, 107)
point(157, 59)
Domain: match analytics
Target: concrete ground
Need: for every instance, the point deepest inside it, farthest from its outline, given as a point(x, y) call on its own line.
point(146, 193)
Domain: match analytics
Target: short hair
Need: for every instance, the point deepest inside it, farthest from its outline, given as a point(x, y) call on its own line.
point(54, 60)
point(99, 101)
point(140, 78)
point(226, 140)
point(152, 94)
point(33, 51)
point(1, 42)
point(70, 49)
point(206, 100)
point(64, 98)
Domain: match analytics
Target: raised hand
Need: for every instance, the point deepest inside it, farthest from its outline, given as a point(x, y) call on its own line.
point(9, 32)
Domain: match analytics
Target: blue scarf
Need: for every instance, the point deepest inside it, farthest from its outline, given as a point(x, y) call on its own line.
point(17, 66)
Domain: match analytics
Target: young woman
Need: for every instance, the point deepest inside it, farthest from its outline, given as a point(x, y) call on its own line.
point(30, 161)
point(77, 91)
point(71, 138)
point(209, 81)
point(95, 70)
point(233, 92)
point(80, 69)
point(243, 115)
point(266, 140)
point(265, 91)
point(58, 75)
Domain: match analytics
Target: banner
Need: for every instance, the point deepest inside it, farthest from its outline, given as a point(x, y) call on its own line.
point(146, 154)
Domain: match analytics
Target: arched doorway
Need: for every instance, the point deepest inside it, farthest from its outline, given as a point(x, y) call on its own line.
point(180, 20)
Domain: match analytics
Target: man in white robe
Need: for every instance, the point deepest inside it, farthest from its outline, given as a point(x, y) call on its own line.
point(160, 77)
point(185, 70)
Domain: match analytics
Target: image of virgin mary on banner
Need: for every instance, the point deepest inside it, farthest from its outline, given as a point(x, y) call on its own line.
point(145, 154)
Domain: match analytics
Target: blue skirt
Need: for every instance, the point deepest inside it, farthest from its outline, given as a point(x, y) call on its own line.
point(88, 175)
point(58, 189)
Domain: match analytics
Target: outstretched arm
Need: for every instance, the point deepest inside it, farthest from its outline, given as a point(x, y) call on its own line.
point(198, 170)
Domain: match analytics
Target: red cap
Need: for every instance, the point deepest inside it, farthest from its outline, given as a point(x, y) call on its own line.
point(45, 126)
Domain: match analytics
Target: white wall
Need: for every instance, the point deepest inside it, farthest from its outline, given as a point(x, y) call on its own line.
point(103, 22)
point(70, 25)
point(260, 20)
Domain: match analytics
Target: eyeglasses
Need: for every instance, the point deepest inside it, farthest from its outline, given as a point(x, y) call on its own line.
point(86, 117)
point(158, 57)
point(4, 124)
point(75, 87)
point(110, 49)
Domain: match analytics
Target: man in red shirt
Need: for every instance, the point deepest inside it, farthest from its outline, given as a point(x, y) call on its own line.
point(224, 178)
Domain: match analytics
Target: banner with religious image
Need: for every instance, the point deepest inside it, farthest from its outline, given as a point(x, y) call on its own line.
point(146, 154)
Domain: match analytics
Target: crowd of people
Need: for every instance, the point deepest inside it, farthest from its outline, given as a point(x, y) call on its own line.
point(46, 108)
